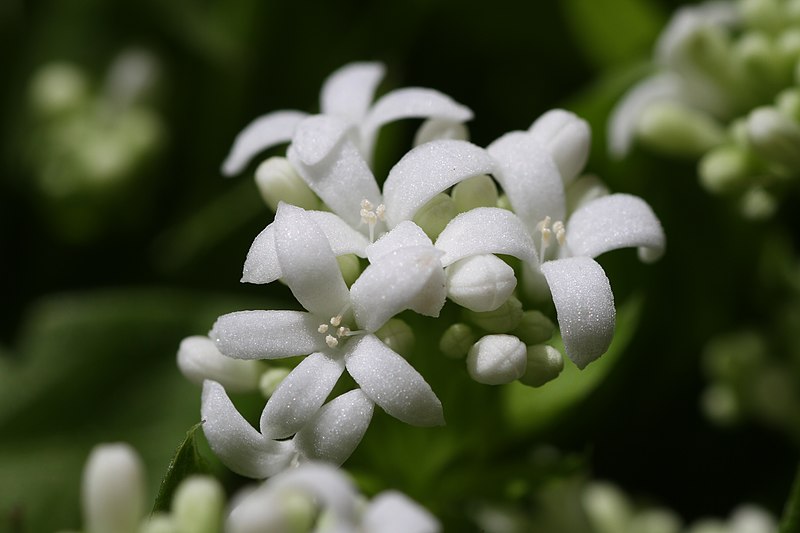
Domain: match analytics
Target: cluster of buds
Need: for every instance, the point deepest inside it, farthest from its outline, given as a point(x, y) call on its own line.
point(727, 92)
point(452, 224)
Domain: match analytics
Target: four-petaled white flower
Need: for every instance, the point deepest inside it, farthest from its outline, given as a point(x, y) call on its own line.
point(348, 95)
point(529, 168)
point(337, 331)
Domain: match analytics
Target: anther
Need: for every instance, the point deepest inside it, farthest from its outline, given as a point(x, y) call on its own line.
point(336, 320)
point(561, 233)
point(331, 341)
point(343, 331)
point(323, 328)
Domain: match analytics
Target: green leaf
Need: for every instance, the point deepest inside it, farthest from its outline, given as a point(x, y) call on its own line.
point(790, 523)
point(187, 461)
point(613, 31)
point(530, 409)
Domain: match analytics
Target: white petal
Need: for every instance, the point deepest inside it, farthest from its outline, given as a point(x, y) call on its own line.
point(426, 171)
point(612, 222)
point(349, 91)
point(411, 277)
point(264, 132)
point(199, 359)
point(486, 230)
point(569, 139)
point(689, 19)
point(113, 489)
point(624, 118)
point(394, 512)
point(410, 102)
point(404, 234)
point(237, 444)
point(333, 168)
point(529, 176)
point(300, 395)
point(261, 265)
point(388, 380)
point(434, 129)
point(266, 334)
point(584, 305)
point(328, 485)
point(307, 262)
point(335, 431)
point(341, 236)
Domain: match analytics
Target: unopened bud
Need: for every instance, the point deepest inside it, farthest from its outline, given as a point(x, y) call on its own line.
point(719, 403)
point(774, 136)
point(113, 490)
point(57, 88)
point(677, 129)
point(765, 15)
point(457, 340)
point(271, 379)
point(496, 359)
point(534, 328)
point(478, 191)
point(758, 204)
point(655, 521)
point(159, 523)
point(568, 139)
point(263, 511)
point(788, 103)
point(726, 168)
point(607, 508)
point(199, 359)
point(762, 64)
point(503, 319)
point(398, 336)
point(435, 129)
point(544, 363)
point(278, 181)
point(198, 504)
point(435, 215)
point(480, 282)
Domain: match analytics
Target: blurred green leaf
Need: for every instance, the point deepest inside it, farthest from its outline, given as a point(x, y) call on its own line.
point(790, 523)
point(187, 461)
point(531, 409)
point(613, 31)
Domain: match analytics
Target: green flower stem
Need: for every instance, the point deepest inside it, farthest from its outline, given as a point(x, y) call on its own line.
point(791, 513)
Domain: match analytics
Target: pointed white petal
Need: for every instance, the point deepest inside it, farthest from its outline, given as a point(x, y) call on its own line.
point(300, 395)
point(624, 118)
point(411, 277)
point(394, 512)
point(261, 265)
point(486, 230)
point(237, 444)
point(388, 380)
point(612, 222)
point(529, 176)
point(333, 168)
point(264, 132)
point(349, 91)
point(426, 171)
point(584, 305)
point(342, 237)
point(410, 102)
point(569, 139)
point(307, 262)
point(404, 234)
point(335, 431)
point(267, 334)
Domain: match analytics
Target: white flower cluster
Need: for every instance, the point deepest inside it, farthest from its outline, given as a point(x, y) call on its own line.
point(356, 254)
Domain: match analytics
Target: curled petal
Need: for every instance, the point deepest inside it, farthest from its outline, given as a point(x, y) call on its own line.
point(612, 222)
point(529, 176)
point(411, 277)
point(300, 395)
point(394, 512)
point(568, 137)
point(349, 91)
point(199, 359)
point(486, 230)
point(335, 430)
point(584, 305)
point(264, 132)
point(389, 381)
point(426, 171)
point(266, 334)
point(404, 234)
point(237, 444)
point(307, 262)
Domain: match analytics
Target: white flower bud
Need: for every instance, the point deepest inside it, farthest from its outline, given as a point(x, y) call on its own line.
point(58, 87)
point(434, 129)
point(655, 521)
point(719, 404)
point(568, 139)
point(725, 168)
point(198, 504)
point(767, 15)
point(481, 282)
point(270, 380)
point(113, 490)
point(496, 359)
point(752, 519)
point(758, 204)
point(269, 511)
point(503, 319)
point(397, 335)
point(774, 136)
point(457, 340)
point(159, 523)
point(278, 181)
point(199, 359)
point(607, 508)
point(544, 363)
point(674, 128)
point(435, 215)
point(478, 191)
point(788, 103)
point(534, 328)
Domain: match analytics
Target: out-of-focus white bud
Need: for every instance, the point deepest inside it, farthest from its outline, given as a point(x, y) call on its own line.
point(497, 359)
point(350, 267)
point(774, 136)
point(788, 103)
point(503, 319)
point(435, 129)
point(435, 215)
point(607, 508)
point(264, 511)
point(397, 335)
point(674, 128)
point(751, 519)
point(113, 490)
point(199, 359)
point(726, 168)
point(278, 181)
point(762, 64)
point(480, 282)
point(568, 139)
point(655, 521)
point(544, 363)
point(159, 523)
point(719, 403)
point(198, 504)
point(58, 87)
point(758, 204)
point(270, 380)
point(478, 191)
point(457, 340)
point(766, 15)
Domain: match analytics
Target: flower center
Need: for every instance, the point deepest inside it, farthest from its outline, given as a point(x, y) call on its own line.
point(335, 332)
point(547, 231)
point(371, 215)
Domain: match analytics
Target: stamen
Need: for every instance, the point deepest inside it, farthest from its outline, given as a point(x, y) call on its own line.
point(370, 215)
point(561, 233)
point(336, 320)
point(380, 211)
point(331, 341)
point(343, 331)
point(323, 328)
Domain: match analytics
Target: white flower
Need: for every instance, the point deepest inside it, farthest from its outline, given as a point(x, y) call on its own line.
point(566, 246)
point(337, 332)
point(318, 497)
point(348, 95)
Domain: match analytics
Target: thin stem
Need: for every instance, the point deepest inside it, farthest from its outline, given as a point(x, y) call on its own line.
point(790, 523)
